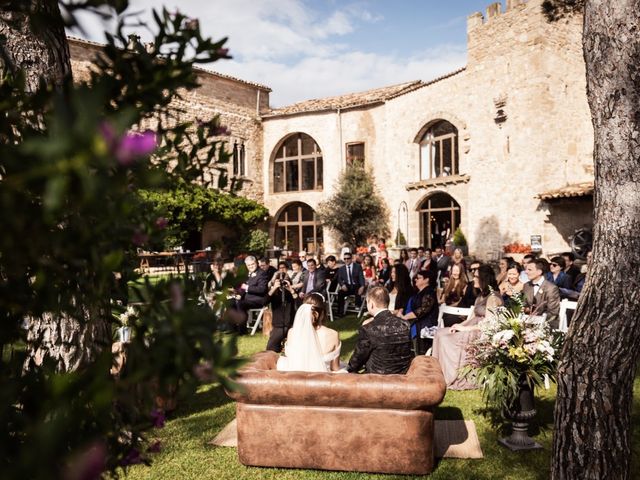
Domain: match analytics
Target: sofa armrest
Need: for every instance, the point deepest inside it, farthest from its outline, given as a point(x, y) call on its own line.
point(422, 388)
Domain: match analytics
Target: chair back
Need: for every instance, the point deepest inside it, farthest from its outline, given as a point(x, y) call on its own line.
point(564, 306)
point(466, 312)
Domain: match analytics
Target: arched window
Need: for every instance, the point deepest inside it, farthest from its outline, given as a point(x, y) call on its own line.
point(297, 228)
point(440, 216)
point(439, 151)
point(297, 165)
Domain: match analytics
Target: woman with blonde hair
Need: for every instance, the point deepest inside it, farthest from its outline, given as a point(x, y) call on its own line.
point(311, 347)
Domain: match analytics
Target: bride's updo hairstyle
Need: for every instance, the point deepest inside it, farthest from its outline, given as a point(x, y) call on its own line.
point(318, 309)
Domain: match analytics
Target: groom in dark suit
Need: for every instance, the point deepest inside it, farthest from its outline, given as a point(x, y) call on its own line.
point(541, 296)
point(384, 343)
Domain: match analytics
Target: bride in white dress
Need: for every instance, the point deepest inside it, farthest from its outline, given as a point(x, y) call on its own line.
point(311, 347)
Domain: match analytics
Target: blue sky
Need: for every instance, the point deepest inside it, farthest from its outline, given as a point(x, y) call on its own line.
point(306, 49)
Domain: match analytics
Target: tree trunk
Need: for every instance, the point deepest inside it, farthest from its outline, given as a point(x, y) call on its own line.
point(35, 42)
point(595, 377)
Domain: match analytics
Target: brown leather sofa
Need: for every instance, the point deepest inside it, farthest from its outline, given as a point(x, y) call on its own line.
point(328, 421)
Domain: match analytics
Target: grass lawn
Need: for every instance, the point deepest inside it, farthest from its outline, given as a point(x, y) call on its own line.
point(186, 454)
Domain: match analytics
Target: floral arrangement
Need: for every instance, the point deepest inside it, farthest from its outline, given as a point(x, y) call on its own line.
point(128, 316)
point(516, 247)
point(512, 348)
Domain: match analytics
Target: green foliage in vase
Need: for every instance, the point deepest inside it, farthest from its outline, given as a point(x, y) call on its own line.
point(72, 163)
point(458, 238)
point(401, 241)
point(356, 211)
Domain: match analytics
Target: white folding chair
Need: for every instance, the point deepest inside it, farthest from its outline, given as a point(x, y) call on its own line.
point(466, 312)
point(254, 318)
point(564, 306)
point(331, 299)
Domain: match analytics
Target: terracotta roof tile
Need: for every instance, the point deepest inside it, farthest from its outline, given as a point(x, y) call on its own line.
point(575, 190)
point(354, 100)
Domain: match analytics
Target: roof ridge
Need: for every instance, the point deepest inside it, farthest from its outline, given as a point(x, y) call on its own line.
point(195, 67)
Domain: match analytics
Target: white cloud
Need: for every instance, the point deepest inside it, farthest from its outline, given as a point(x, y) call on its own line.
point(297, 51)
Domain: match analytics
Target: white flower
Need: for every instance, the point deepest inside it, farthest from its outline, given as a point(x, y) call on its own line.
point(503, 335)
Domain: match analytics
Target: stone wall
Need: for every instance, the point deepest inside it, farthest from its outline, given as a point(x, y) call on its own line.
point(237, 102)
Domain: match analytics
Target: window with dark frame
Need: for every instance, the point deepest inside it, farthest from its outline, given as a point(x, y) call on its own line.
point(297, 165)
point(439, 151)
point(239, 168)
point(355, 154)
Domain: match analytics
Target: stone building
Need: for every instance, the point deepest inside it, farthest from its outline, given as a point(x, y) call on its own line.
point(502, 148)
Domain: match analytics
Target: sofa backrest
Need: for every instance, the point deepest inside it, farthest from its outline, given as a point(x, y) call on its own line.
point(422, 388)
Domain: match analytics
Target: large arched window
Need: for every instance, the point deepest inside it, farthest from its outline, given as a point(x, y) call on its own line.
point(440, 216)
point(297, 228)
point(297, 165)
point(439, 151)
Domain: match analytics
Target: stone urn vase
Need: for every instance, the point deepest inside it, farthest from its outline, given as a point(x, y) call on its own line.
point(522, 412)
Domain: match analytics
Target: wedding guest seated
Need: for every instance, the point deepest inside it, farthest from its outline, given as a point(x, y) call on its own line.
point(528, 258)
point(413, 263)
point(569, 267)
point(422, 310)
point(400, 289)
point(281, 298)
point(511, 286)
point(456, 259)
point(573, 293)
point(267, 268)
point(469, 297)
point(449, 344)
point(311, 347)
point(384, 273)
point(313, 279)
point(382, 254)
point(540, 295)
point(331, 270)
point(503, 266)
point(252, 293)
point(453, 292)
point(556, 273)
point(383, 344)
point(297, 275)
point(428, 263)
point(369, 270)
point(350, 281)
point(404, 256)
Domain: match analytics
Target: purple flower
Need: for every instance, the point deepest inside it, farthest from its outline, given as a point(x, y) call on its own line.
point(134, 146)
point(130, 147)
point(161, 223)
point(157, 418)
point(139, 238)
point(132, 458)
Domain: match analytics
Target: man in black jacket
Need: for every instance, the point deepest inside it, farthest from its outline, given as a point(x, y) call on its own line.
point(384, 344)
point(253, 293)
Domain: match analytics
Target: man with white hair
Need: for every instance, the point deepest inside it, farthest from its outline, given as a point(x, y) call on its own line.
point(253, 293)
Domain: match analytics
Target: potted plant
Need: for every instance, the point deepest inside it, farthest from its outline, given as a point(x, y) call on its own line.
point(460, 241)
point(514, 354)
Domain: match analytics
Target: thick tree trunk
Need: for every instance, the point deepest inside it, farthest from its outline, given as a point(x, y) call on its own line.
point(596, 374)
point(35, 43)
point(32, 44)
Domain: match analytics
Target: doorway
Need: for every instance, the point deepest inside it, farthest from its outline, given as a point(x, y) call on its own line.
point(439, 218)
